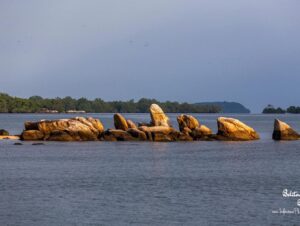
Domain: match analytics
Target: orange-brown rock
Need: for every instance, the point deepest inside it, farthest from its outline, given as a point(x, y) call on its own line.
point(32, 135)
point(63, 136)
point(187, 121)
point(131, 124)
point(283, 131)
point(138, 134)
point(158, 117)
point(201, 132)
point(235, 130)
point(157, 129)
point(120, 122)
point(118, 135)
point(79, 128)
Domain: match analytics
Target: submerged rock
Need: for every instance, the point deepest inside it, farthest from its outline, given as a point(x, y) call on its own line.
point(235, 130)
point(18, 144)
point(158, 117)
point(283, 131)
point(120, 122)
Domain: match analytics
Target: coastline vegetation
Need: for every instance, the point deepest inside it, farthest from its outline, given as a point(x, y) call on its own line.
point(270, 109)
point(37, 104)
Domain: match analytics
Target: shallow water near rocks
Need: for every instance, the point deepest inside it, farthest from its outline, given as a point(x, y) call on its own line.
point(144, 183)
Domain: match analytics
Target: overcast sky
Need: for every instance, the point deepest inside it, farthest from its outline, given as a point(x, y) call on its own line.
point(179, 50)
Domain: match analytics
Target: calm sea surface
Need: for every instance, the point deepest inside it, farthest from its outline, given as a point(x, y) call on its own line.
point(143, 183)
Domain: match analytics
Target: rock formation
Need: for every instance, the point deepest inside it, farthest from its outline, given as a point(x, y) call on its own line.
point(283, 131)
point(159, 130)
point(75, 129)
point(158, 117)
point(235, 130)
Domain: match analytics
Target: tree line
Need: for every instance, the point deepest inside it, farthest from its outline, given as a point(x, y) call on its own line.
point(272, 110)
point(36, 104)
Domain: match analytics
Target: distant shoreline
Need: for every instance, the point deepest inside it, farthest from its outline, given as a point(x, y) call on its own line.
point(69, 105)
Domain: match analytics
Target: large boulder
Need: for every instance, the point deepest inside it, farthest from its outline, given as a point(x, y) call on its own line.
point(187, 121)
point(75, 129)
point(283, 131)
point(120, 122)
point(235, 130)
point(158, 117)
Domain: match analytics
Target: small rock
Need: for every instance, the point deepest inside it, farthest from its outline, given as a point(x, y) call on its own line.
point(18, 144)
point(38, 144)
point(3, 132)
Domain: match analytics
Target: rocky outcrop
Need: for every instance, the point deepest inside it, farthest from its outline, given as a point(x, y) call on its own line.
point(235, 130)
point(158, 117)
point(187, 121)
point(75, 129)
point(120, 122)
point(189, 125)
point(283, 131)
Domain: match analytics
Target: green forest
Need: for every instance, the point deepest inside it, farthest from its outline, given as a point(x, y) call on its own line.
point(272, 110)
point(37, 104)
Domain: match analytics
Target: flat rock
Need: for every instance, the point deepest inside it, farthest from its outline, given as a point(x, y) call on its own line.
point(283, 131)
point(235, 130)
point(10, 138)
